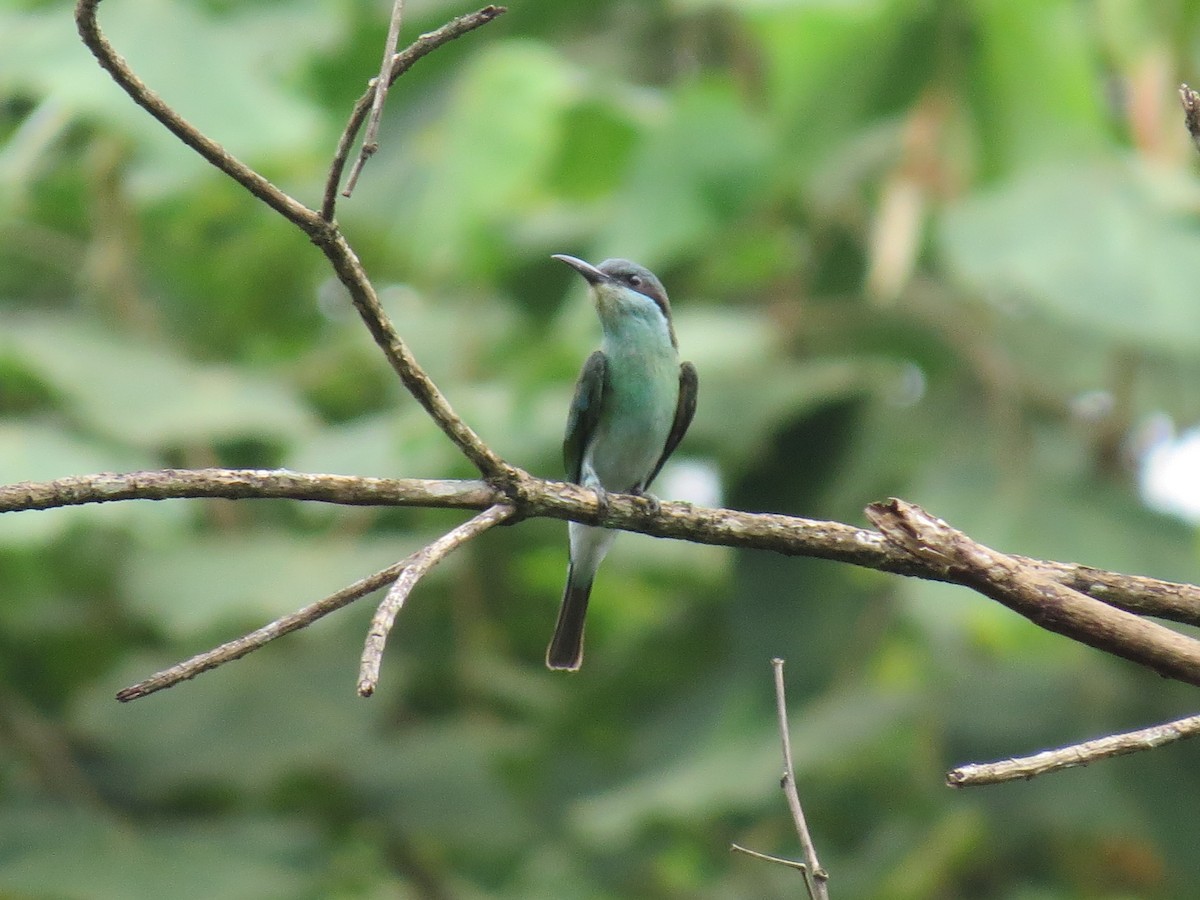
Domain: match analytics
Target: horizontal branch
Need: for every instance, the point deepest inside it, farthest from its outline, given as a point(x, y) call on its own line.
point(243, 484)
point(789, 535)
point(1025, 767)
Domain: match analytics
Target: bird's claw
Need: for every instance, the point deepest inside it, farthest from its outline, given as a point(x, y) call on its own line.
point(653, 502)
point(602, 502)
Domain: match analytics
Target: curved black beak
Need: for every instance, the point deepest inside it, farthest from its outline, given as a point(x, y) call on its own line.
point(586, 269)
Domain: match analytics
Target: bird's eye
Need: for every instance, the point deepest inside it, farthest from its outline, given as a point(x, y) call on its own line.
point(634, 280)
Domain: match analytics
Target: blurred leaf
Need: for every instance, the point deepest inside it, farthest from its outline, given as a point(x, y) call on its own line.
point(683, 185)
point(223, 73)
point(742, 770)
point(488, 156)
point(146, 396)
point(1096, 247)
point(39, 451)
point(69, 852)
point(199, 582)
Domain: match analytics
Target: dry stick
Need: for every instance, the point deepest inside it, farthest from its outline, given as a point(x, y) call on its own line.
point(1075, 755)
point(400, 64)
point(85, 20)
point(767, 857)
point(789, 535)
point(371, 141)
point(1043, 601)
point(243, 484)
point(248, 643)
point(322, 233)
point(415, 569)
point(418, 383)
point(816, 879)
point(815, 876)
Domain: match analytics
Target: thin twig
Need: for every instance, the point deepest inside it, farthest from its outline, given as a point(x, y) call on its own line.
point(248, 643)
point(321, 231)
point(401, 63)
point(1081, 754)
point(815, 876)
point(382, 83)
point(116, 66)
point(767, 857)
point(415, 379)
point(415, 569)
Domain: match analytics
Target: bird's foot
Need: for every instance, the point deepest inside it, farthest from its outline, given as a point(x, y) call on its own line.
point(653, 502)
point(602, 502)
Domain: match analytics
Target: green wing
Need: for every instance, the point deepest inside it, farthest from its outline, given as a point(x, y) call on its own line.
point(685, 409)
point(585, 412)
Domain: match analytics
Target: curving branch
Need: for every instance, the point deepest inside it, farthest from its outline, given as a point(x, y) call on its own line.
point(401, 63)
point(1043, 601)
point(414, 569)
point(321, 232)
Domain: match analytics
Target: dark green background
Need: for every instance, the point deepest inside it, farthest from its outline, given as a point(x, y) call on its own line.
point(944, 251)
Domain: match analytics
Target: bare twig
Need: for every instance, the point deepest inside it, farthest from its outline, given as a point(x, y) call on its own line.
point(1040, 599)
point(320, 230)
point(1075, 755)
point(382, 83)
point(815, 876)
point(415, 568)
point(816, 879)
point(767, 857)
point(248, 643)
point(115, 65)
point(401, 63)
point(362, 293)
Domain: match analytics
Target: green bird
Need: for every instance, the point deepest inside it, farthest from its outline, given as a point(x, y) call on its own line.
point(633, 403)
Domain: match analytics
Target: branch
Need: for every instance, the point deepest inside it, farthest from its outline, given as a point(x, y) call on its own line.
point(1076, 755)
point(816, 879)
point(815, 876)
point(414, 569)
point(401, 63)
point(116, 66)
point(248, 643)
point(1043, 601)
point(321, 232)
point(362, 293)
point(789, 535)
point(242, 484)
point(382, 83)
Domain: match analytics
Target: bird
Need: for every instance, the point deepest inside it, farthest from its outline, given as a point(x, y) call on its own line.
point(632, 405)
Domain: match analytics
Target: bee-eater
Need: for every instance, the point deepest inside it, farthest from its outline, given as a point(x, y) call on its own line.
point(633, 403)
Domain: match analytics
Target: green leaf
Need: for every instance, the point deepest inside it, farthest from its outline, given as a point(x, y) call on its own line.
point(38, 451)
point(145, 395)
point(1105, 249)
point(200, 582)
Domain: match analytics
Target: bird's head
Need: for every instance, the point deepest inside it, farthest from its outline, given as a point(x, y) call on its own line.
point(622, 288)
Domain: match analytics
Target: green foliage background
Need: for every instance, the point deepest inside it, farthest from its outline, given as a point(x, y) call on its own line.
point(938, 250)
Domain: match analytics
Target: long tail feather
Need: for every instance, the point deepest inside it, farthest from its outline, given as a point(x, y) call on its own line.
point(566, 647)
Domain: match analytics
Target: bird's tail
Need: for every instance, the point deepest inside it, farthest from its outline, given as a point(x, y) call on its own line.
point(566, 647)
